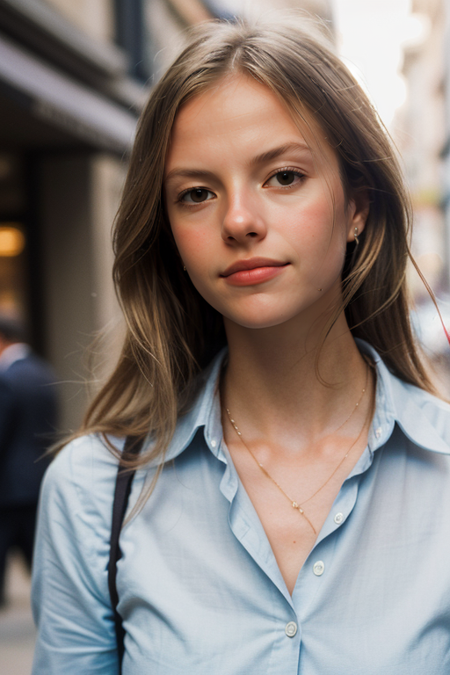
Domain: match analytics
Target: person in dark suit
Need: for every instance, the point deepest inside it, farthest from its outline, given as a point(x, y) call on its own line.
point(28, 419)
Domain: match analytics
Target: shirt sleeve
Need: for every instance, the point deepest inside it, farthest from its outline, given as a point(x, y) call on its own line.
point(70, 597)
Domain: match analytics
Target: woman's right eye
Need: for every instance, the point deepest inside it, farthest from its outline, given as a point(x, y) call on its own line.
point(196, 196)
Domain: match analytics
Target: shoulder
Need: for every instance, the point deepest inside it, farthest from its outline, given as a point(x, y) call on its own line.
point(81, 478)
point(5, 386)
point(7, 401)
point(434, 408)
point(424, 417)
point(31, 366)
point(430, 405)
point(75, 508)
point(70, 597)
point(86, 459)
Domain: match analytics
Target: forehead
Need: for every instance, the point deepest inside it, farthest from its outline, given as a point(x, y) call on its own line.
point(240, 114)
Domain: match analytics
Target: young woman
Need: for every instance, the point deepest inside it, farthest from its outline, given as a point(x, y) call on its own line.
point(290, 511)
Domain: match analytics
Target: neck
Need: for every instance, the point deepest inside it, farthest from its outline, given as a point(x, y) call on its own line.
point(278, 386)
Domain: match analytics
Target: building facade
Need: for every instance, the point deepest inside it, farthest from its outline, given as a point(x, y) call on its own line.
point(422, 141)
point(68, 111)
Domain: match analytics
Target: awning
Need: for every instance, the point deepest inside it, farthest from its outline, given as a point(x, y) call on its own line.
point(62, 101)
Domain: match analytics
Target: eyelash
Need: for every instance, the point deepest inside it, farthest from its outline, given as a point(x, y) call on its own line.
point(179, 199)
point(286, 169)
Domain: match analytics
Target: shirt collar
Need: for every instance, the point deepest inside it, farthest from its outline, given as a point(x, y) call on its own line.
point(422, 417)
point(205, 412)
point(13, 353)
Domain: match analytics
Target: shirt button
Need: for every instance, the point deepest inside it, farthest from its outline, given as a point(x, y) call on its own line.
point(291, 629)
point(213, 444)
point(378, 432)
point(319, 568)
point(338, 518)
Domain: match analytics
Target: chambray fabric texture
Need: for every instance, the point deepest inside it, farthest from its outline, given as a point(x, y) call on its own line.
point(199, 587)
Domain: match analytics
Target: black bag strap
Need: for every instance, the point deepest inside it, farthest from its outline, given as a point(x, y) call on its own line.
point(122, 491)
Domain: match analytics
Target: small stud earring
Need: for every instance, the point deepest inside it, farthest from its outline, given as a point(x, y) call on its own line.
point(356, 236)
point(184, 268)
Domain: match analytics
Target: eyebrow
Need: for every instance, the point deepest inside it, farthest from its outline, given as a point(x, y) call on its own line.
point(269, 155)
point(264, 157)
point(188, 173)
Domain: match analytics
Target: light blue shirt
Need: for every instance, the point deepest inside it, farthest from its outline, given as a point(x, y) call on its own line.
point(199, 588)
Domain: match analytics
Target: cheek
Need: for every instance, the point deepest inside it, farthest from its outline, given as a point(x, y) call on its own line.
point(192, 244)
point(319, 238)
point(327, 222)
point(310, 227)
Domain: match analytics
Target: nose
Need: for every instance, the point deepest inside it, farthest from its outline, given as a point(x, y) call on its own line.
point(242, 221)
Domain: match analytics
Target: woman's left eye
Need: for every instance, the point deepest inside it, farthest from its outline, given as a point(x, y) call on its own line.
point(196, 196)
point(285, 178)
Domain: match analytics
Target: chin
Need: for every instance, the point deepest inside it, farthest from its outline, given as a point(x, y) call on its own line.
point(259, 320)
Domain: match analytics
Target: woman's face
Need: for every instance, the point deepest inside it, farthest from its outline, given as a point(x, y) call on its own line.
point(259, 218)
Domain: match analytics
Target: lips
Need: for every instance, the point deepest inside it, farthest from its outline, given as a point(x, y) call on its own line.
point(251, 264)
point(253, 271)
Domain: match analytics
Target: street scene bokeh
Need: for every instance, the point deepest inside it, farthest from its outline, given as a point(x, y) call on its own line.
point(74, 77)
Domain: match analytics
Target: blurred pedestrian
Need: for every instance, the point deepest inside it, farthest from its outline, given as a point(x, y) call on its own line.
point(28, 417)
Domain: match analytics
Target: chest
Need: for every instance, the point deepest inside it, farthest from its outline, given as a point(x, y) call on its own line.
point(291, 532)
point(207, 591)
point(294, 506)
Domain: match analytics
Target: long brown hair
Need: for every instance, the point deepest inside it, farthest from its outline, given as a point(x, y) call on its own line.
point(171, 331)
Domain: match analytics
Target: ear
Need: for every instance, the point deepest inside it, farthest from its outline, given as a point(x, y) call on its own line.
point(357, 211)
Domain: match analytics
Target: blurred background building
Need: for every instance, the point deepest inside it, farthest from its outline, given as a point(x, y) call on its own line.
point(422, 132)
point(69, 101)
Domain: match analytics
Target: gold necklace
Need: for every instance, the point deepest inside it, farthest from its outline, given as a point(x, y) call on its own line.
point(294, 504)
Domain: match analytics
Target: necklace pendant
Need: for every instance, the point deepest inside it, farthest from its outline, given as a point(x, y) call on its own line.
point(297, 506)
point(294, 504)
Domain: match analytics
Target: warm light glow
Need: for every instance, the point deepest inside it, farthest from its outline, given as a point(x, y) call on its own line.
point(371, 35)
point(12, 240)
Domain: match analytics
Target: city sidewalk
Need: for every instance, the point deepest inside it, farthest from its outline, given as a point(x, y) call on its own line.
point(17, 632)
